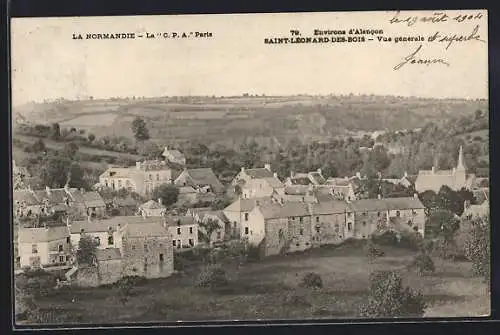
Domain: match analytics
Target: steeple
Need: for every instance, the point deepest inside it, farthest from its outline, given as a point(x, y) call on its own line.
point(460, 164)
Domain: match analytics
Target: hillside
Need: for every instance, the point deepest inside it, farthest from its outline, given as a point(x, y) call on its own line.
point(236, 118)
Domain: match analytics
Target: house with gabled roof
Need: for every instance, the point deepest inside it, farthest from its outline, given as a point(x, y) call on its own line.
point(246, 175)
point(296, 193)
point(201, 179)
point(262, 187)
point(206, 216)
point(152, 208)
point(238, 212)
point(342, 188)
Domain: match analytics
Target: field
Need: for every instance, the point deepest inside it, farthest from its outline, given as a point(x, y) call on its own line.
point(216, 119)
point(269, 290)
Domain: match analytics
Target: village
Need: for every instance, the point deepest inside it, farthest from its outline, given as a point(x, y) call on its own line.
point(276, 217)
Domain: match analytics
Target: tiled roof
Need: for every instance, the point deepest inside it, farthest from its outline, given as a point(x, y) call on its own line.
point(259, 173)
point(300, 181)
point(290, 209)
point(92, 199)
point(246, 205)
point(107, 254)
point(149, 228)
point(329, 207)
point(296, 190)
point(25, 196)
point(96, 226)
point(181, 220)
point(119, 172)
point(367, 205)
point(38, 235)
point(274, 182)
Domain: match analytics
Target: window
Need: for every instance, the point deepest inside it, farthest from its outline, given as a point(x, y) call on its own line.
point(415, 229)
point(246, 216)
point(317, 218)
point(191, 242)
point(68, 239)
point(133, 247)
point(110, 240)
point(161, 257)
point(119, 183)
point(349, 226)
point(179, 244)
point(150, 176)
point(301, 219)
point(218, 235)
point(293, 218)
point(409, 223)
point(145, 247)
point(398, 213)
point(190, 230)
point(97, 240)
point(34, 249)
point(364, 236)
point(317, 228)
point(178, 230)
point(173, 243)
point(378, 214)
point(246, 230)
point(301, 231)
point(307, 244)
point(67, 258)
point(297, 245)
point(61, 259)
point(60, 248)
point(365, 213)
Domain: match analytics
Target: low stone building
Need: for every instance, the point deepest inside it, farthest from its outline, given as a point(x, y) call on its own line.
point(152, 208)
point(329, 222)
point(183, 231)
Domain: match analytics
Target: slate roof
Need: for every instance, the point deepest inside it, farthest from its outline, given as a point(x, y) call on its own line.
point(205, 176)
point(39, 235)
point(107, 254)
point(290, 209)
point(181, 220)
point(368, 205)
point(96, 226)
point(92, 199)
point(56, 196)
point(329, 207)
point(151, 204)
point(259, 173)
point(274, 182)
point(296, 190)
point(246, 205)
point(149, 228)
point(119, 172)
point(186, 190)
point(25, 196)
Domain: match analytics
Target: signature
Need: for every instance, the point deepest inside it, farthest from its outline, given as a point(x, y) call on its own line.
point(412, 59)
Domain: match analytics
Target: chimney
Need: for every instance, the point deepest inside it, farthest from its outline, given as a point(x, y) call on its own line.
point(257, 203)
point(292, 174)
point(89, 218)
point(242, 169)
point(275, 175)
point(433, 169)
point(415, 195)
point(47, 190)
point(406, 174)
point(454, 170)
point(379, 196)
point(138, 165)
point(267, 167)
point(82, 231)
point(319, 171)
point(82, 190)
point(358, 175)
point(160, 201)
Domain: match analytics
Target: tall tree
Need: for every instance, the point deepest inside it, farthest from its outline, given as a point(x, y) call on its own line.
point(55, 131)
point(86, 250)
point(168, 194)
point(141, 132)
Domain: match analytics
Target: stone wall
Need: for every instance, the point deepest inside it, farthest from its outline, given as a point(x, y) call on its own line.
point(276, 236)
point(110, 271)
point(366, 223)
point(328, 229)
point(87, 277)
point(299, 233)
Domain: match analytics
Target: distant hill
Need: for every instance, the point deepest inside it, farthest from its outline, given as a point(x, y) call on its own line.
point(220, 119)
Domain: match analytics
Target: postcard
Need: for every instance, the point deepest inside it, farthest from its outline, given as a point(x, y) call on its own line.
point(222, 167)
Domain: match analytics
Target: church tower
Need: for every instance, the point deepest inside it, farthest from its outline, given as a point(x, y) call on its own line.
point(460, 171)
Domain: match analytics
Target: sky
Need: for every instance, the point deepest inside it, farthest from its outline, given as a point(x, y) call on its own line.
point(46, 63)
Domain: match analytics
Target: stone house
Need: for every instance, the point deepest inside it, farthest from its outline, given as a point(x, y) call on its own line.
point(108, 263)
point(101, 232)
point(145, 248)
point(262, 187)
point(201, 179)
point(329, 222)
point(152, 208)
point(296, 193)
point(342, 188)
point(245, 175)
point(142, 178)
point(174, 156)
point(44, 246)
point(184, 232)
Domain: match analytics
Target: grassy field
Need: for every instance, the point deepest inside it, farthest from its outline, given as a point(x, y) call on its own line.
point(269, 290)
point(215, 119)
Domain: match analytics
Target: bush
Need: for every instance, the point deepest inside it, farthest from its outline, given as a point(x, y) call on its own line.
point(423, 263)
point(212, 276)
point(311, 280)
point(372, 251)
point(411, 241)
point(477, 247)
point(388, 298)
point(386, 238)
